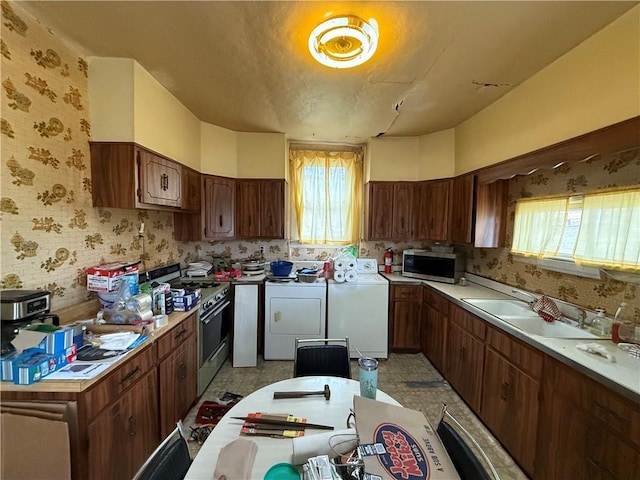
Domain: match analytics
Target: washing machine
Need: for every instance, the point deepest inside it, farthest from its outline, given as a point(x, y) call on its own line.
point(359, 309)
point(292, 309)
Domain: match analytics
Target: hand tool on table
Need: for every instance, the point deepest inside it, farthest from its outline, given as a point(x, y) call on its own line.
point(286, 425)
point(326, 392)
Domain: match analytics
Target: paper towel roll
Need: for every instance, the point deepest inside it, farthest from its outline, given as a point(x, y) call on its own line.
point(351, 265)
point(339, 266)
point(334, 443)
point(351, 276)
point(339, 276)
point(140, 302)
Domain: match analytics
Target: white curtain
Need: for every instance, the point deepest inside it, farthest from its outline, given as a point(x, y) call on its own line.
point(609, 233)
point(538, 226)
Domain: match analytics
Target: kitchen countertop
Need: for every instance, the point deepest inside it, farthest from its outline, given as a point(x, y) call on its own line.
point(49, 385)
point(623, 376)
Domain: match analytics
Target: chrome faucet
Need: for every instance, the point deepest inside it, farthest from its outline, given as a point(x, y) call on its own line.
point(582, 316)
point(522, 292)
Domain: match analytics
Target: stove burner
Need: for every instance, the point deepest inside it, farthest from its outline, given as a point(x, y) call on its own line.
point(196, 284)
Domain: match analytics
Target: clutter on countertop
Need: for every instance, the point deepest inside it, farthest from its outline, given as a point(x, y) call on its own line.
point(597, 349)
point(108, 277)
point(546, 308)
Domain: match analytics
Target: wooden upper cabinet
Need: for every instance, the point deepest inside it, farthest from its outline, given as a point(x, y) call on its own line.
point(431, 210)
point(219, 207)
point(260, 208)
point(462, 211)
point(126, 175)
point(403, 211)
point(272, 208)
point(379, 205)
point(191, 190)
point(389, 211)
point(491, 214)
point(248, 208)
point(160, 179)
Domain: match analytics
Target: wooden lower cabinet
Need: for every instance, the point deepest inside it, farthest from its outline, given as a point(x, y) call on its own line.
point(177, 377)
point(510, 401)
point(464, 362)
point(123, 436)
point(405, 307)
point(586, 430)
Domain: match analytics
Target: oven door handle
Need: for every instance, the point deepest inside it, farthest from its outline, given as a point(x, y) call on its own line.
point(218, 310)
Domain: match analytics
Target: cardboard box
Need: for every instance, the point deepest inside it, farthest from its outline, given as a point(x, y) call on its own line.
point(56, 339)
point(33, 364)
point(107, 277)
point(182, 303)
point(398, 442)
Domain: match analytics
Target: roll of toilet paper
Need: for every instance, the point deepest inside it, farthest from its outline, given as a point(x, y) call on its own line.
point(334, 443)
point(351, 276)
point(339, 276)
point(339, 266)
point(351, 265)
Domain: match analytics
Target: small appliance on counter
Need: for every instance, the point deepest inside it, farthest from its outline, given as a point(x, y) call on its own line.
point(20, 308)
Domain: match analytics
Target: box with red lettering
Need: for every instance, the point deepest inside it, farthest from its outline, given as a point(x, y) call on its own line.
point(399, 443)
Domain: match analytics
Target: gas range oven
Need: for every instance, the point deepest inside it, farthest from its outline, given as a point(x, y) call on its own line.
point(213, 321)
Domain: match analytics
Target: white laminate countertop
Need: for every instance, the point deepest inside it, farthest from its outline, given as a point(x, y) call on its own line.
point(623, 375)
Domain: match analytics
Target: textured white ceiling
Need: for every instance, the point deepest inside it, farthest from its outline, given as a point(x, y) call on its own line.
point(245, 66)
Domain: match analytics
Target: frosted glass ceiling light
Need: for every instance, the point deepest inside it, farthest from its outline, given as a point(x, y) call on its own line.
point(344, 42)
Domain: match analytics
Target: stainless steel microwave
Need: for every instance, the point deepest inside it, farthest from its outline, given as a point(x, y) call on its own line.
point(428, 265)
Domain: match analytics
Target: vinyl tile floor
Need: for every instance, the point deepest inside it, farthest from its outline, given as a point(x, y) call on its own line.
point(409, 378)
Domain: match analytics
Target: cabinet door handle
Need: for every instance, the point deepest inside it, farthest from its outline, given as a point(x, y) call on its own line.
point(130, 375)
point(463, 354)
point(249, 220)
point(180, 333)
point(164, 181)
point(132, 426)
point(220, 220)
point(504, 392)
point(182, 371)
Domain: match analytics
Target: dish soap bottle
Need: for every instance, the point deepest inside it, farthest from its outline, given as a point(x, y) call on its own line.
point(623, 328)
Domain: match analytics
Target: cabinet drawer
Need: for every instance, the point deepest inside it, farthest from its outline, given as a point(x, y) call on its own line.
point(435, 300)
point(406, 292)
point(468, 322)
point(174, 338)
point(617, 412)
point(521, 355)
point(124, 376)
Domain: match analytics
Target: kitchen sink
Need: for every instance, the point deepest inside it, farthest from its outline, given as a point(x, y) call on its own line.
point(519, 315)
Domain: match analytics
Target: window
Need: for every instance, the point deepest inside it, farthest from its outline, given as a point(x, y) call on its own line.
point(600, 229)
point(327, 195)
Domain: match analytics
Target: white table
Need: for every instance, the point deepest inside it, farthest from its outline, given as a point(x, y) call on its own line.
point(275, 450)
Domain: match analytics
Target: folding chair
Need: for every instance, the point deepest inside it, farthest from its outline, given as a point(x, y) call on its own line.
point(467, 464)
point(170, 461)
point(322, 357)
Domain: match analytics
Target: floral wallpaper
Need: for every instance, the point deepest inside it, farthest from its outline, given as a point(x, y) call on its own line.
point(614, 170)
point(50, 232)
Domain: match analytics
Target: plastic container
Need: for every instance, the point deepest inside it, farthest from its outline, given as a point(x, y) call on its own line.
point(623, 328)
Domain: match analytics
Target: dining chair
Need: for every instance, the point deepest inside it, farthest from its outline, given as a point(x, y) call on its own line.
point(467, 464)
point(321, 356)
point(170, 461)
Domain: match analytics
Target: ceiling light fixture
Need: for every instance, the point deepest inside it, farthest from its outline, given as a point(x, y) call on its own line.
point(344, 42)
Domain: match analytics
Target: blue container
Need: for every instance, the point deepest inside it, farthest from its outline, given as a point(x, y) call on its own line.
point(281, 268)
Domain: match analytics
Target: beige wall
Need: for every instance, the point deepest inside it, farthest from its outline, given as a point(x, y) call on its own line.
point(127, 103)
point(411, 158)
point(262, 155)
point(437, 155)
point(111, 95)
point(219, 150)
point(162, 123)
point(594, 85)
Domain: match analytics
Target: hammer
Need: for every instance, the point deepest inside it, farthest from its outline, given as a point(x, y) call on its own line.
point(326, 392)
